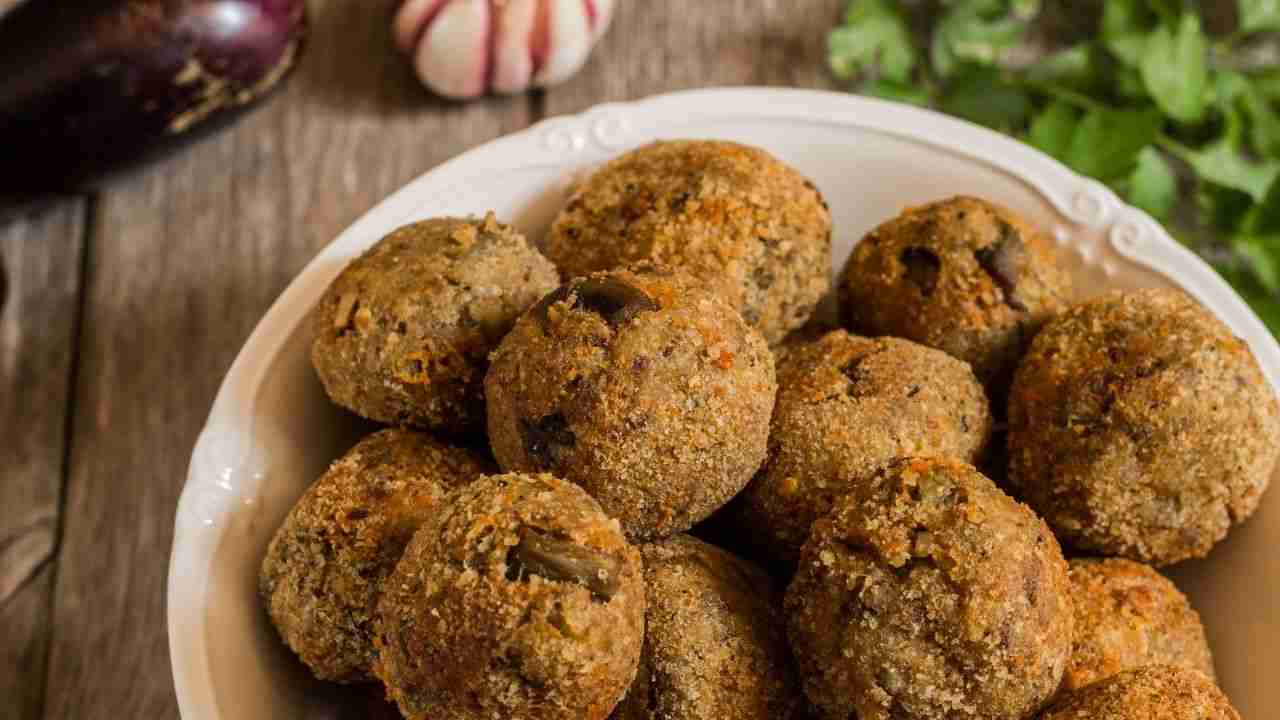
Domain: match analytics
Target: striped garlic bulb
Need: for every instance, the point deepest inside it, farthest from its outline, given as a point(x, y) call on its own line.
point(466, 48)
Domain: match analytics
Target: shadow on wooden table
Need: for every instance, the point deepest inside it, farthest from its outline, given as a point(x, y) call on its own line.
point(361, 66)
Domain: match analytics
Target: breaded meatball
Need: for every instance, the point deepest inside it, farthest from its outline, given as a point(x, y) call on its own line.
point(927, 593)
point(521, 599)
point(963, 275)
point(1139, 426)
point(715, 643)
point(1127, 616)
point(846, 406)
point(402, 336)
point(732, 215)
point(322, 574)
point(649, 392)
point(1154, 692)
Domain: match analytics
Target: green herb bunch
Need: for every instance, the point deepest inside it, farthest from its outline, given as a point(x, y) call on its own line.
point(1135, 93)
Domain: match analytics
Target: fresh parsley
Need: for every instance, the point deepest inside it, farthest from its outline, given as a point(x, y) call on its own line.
point(1184, 123)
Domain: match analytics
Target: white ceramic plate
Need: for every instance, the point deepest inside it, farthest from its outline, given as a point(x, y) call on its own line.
point(271, 431)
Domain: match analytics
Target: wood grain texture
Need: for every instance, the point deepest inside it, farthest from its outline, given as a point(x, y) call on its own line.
point(664, 45)
point(42, 256)
point(187, 255)
point(185, 258)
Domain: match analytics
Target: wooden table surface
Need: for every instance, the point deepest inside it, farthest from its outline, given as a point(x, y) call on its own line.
point(126, 307)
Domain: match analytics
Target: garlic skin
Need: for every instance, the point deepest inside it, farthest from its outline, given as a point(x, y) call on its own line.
point(466, 48)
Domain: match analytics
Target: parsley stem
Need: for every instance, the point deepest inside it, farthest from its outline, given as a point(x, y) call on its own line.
point(1084, 102)
point(1173, 147)
point(1067, 95)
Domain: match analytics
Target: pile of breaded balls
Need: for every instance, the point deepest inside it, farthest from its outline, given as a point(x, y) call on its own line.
point(628, 473)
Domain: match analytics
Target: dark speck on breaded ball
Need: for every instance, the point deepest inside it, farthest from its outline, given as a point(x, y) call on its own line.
point(321, 576)
point(848, 405)
point(1154, 692)
point(1129, 615)
point(731, 215)
point(963, 275)
point(403, 334)
point(1140, 426)
point(640, 386)
point(521, 599)
point(928, 594)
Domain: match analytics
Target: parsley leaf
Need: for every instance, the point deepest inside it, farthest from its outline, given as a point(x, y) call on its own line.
point(1129, 83)
point(1175, 70)
point(982, 95)
point(900, 92)
point(1264, 303)
point(1125, 29)
point(974, 31)
point(1267, 84)
point(1258, 15)
point(1129, 48)
point(873, 31)
point(1224, 163)
point(1051, 131)
point(1167, 9)
point(1123, 16)
point(1152, 185)
point(1140, 88)
point(1072, 67)
point(1264, 123)
point(1236, 93)
point(1263, 256)
point(1107, 142)
point(1264, 217)
point(1222, 208)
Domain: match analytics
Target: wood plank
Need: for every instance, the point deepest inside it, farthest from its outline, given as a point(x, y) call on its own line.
point(187, 255)
point(38, 309)
point(665, 45)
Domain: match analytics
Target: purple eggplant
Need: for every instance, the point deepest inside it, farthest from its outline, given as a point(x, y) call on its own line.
point(86, 85)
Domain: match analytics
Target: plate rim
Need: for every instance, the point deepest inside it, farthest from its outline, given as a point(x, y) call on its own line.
point(212, 484)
